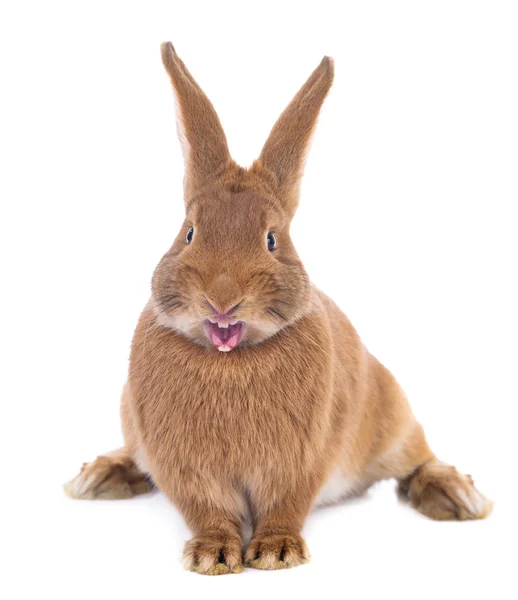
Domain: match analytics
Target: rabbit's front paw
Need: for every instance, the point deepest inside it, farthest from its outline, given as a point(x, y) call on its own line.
point(213, 553)
point(276, 550)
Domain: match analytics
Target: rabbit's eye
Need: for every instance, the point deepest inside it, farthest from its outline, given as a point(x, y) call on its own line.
point(270, 240)
point(190, 233)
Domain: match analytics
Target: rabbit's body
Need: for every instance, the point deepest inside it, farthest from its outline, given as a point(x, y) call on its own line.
point(261, 415)
point(249, 391)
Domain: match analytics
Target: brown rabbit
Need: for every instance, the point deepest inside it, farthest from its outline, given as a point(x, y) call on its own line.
point(249, 392)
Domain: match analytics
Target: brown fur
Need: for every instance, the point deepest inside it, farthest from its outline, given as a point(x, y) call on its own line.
point(258, 431)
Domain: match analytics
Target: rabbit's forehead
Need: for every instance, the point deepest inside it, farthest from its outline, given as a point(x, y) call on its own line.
point(236, 210)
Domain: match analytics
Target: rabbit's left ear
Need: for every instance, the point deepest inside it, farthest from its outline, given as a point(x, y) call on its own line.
point(202, 138)
point(284, 152)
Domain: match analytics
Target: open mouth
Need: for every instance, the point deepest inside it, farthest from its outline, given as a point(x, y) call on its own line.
point(225, 335)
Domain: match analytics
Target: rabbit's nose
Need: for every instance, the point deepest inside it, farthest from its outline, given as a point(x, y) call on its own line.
point(223, 295)
point(222, 312)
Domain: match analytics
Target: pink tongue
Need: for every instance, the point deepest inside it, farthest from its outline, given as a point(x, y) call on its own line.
point(224, 339)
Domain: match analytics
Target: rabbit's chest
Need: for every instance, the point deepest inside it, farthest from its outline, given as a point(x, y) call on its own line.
point(232, 419)
point(239, 411)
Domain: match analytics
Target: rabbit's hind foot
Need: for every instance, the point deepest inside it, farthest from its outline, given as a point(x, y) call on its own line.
point(109, 477)
point(440, 492)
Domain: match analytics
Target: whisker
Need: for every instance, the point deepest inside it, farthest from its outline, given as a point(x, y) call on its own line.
point(170, 301)
point(277, 301)
point(170, 305)
point(164, 299)
point(276, 313)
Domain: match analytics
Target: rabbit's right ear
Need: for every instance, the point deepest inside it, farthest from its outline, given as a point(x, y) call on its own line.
point(202, 138)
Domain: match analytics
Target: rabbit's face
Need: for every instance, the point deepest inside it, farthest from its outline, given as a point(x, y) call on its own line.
point(232, 275)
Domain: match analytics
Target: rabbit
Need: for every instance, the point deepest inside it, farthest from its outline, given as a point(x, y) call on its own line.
point(250, 395)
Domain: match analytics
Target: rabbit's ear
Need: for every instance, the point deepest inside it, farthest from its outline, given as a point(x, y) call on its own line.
point(284, 152)
point(202, 138)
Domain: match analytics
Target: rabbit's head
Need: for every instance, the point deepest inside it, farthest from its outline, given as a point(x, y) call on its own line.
point(232, 276)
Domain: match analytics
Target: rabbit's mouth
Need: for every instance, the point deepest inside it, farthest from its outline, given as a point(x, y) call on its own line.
point(225, 335)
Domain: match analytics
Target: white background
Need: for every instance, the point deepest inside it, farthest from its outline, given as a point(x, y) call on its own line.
point(407, 220)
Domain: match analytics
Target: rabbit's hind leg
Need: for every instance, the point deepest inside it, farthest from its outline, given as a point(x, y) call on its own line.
point(114, 475)
point(440, 492)
point(434, 488)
